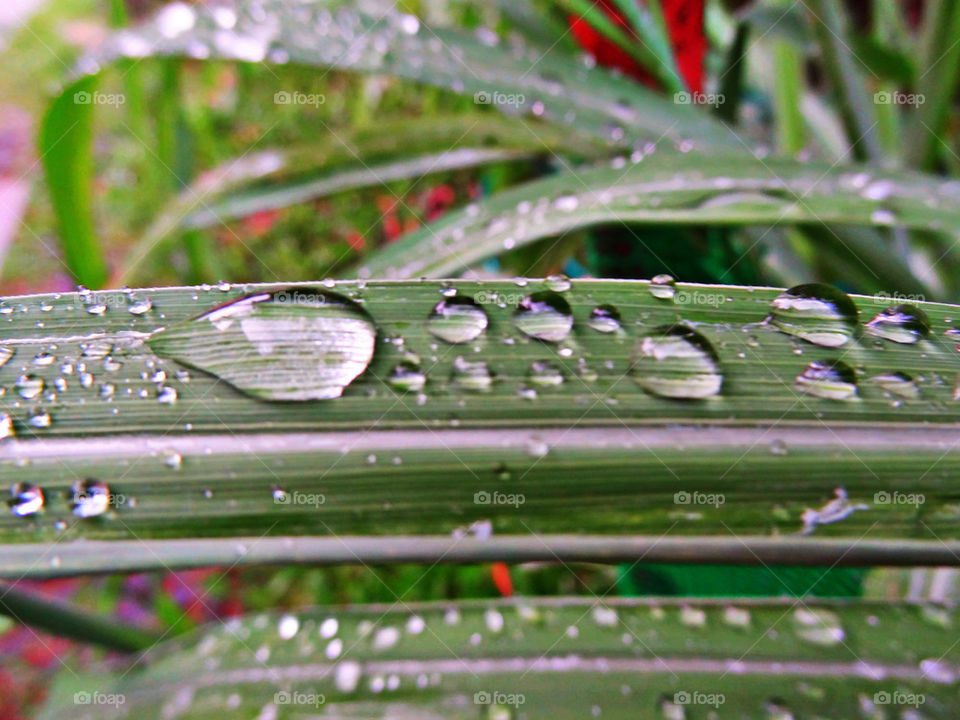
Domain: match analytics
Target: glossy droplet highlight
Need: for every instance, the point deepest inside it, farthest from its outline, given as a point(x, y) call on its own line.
point(677, 362)
point(605, 319)
point(817, 313)
point(544, 373)
point(457, 319)
point(29, 386)
point(5, 354)
point(831, 379)
point(26, 499)
point(545, 316)
point(293, 344)
point(905, 324)
point(818, 626)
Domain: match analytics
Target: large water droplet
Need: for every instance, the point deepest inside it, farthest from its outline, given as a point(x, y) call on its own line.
point(677, 361)
point(605, 319)
point(818, 313)
point(457, 319)
point(89, 498)
point(26, 499)
point(6, 426)
point(545, 316)
point(5, 354)
point(831, 379)
point(904, 324)
point(292, 344)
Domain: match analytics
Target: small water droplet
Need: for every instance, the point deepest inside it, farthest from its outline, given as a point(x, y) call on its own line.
point(557, 283)
point(294, 344)
point(44, 359)
point(605, 319)
point(140, 307)
point(40, 419)
point(545, 316)
point(663, 286)
point(473, 376)
point(167, 395)
point(457, 319)
point(906, 324)
point(89, 498)
point(5, 354)
point(818, 626)
point(820, 314)
point(544, 373)
point(830, 379)
point(26, 499)
point(407, 376)
point(288, 626)
point(898, 384)
point(29, 386)
point(678, 362)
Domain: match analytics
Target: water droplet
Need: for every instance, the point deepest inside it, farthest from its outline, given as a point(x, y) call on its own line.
point(830, 379)
point(44, 359)
point(89, 498)
point(5, 354)
point(818, 626)
point(566, 203)
point(40, 419)
point(663, 286)
point(29, 386)
point(939, 671)
point(493, 620)
point(288, 626)
point(544, 373)
point(904, 324)
point(605, 319)
point(26, 499)
point(817, 313)
point(96, 309)
point(678, 362)
point(736, 617)
point(473, 376)
point(166, 395)
point(328, 628)
point(897, 383)
point(172, 459)
point(545, 316)
point(779, 447)
point(140, 307)
point(386, 638)
point(407, 376)
point(457, 319)
point(293, 344)
point(557, 283)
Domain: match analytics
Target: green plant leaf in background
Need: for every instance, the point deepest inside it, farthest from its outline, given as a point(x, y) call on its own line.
point(620, 658)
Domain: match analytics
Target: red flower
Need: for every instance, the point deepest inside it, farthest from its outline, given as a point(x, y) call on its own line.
point(684, 19)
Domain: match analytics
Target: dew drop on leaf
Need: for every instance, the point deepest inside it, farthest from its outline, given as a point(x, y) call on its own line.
point(677, 362)
point(457, 319)
point(817, 313)
point(545, 316)
point(293, 344)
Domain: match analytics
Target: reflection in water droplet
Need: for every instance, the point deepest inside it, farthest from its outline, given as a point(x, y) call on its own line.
point(407, 376)
point(293, 344)
point(40, 419)
point(678, 362)
point(26, 499)
point(663, 286)
point(457, 319)
point(818, 626)
point(5, 354)
point(471, 376)
point(897, 383)
point(89, 498)
point(166, 395)
point(544, 373)
point(29, 386)
point(605, 319)
point(140, 307)
point(904, 324)
point(831, 379)
point(545, 316)
point(817, 313)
